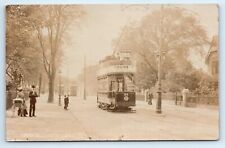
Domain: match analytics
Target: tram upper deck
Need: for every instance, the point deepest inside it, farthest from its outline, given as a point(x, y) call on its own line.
point(113, 65)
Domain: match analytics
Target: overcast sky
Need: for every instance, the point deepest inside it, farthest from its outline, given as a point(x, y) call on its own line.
point(103, 23)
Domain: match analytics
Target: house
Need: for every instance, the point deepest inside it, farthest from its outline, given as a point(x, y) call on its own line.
point(212, 59)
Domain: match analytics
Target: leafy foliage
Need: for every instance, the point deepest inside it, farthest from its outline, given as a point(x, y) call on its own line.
point(173, 30)
point(51, 24)
point(21, 56)
point(39, 32)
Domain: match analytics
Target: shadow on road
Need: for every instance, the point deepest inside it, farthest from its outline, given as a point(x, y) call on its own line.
point(122, 111)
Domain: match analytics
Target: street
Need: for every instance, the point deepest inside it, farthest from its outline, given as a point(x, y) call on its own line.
point(85, 121)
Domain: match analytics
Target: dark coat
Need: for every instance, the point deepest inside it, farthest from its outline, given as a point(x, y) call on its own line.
point(32, 96)
point(66, 100)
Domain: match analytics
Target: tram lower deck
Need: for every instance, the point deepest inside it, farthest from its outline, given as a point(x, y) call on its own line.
point(116, 91)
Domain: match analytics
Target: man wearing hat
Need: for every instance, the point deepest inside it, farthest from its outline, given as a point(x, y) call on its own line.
point(32, 96)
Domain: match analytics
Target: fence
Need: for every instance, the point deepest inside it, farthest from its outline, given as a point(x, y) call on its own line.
point(194, 99)
point(205, 99)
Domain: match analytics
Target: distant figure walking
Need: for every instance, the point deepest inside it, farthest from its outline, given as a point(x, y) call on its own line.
point(32, 96)
point(66, 102)
point(150, 97)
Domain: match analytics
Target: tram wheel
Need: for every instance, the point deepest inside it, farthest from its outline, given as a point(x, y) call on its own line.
point(112, 107)
point(104, 106)
point(101, 105)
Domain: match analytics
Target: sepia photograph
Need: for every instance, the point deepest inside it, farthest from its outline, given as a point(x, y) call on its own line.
point(112, 72)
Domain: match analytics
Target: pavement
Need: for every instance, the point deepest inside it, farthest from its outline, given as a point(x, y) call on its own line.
point(85, 121)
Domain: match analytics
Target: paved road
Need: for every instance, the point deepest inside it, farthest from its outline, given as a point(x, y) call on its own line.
point(84, 121)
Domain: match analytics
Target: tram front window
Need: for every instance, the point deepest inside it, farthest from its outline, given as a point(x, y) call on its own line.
point(117, 86)
point(129, 84)
point(120, 84)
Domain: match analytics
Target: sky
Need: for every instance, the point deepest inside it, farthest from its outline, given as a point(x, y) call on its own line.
point(93, 36)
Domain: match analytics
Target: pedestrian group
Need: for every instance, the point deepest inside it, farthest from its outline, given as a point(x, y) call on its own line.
point(20, 103)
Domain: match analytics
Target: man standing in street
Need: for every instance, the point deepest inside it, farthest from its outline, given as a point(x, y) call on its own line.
point(32, 96)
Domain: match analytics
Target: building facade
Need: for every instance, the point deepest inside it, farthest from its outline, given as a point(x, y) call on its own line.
point(212, 59)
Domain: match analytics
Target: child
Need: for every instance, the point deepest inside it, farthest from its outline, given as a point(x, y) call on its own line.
point(23, 109)
point(66, 102)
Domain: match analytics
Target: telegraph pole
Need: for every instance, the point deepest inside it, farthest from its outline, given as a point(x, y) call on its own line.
point(68, 80)
point(59, 87)
point(159, 99)
point(84, 77)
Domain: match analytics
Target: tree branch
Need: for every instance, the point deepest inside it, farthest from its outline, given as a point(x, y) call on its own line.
point(147, 62)
point(45, 61)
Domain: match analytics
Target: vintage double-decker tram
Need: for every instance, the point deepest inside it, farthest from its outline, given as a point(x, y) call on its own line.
point(116, 89)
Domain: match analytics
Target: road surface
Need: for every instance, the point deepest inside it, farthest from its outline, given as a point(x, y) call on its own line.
point(85, 121)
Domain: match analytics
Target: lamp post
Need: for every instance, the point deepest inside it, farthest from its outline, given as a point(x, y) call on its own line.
point(84, 77)
point(59, 87)
point(159, 99)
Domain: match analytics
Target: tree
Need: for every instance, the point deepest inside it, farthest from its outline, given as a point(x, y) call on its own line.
point(190, 80)
point(51, 24)
point(21, 57)
point(174, 30)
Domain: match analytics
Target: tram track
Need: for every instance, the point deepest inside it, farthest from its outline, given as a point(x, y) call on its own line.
point(89, 137)
point(90, 134)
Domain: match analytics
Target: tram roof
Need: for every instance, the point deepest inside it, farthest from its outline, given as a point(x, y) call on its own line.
point(113, 74)
point(116, 69)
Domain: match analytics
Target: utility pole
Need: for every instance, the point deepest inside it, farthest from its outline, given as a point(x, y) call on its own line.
point(159, 99)
point(85, 77)
point(59, 87)
point(68, 80)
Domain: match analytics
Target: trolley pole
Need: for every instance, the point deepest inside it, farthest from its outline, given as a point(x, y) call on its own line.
point(159, 100)
point(84, 77)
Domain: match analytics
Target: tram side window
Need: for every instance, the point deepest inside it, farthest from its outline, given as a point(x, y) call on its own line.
point(120, 85)
point(102, 85)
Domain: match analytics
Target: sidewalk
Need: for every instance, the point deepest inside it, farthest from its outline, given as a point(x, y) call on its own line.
point(52, 122)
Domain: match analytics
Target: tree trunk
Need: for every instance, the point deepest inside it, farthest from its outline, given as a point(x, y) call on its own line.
point(51, 89)
point(40, 82)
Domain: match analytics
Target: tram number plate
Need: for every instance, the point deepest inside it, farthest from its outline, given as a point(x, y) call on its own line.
point(126, 98)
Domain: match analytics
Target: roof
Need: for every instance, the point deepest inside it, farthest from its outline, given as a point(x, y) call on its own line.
point(213, 47)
